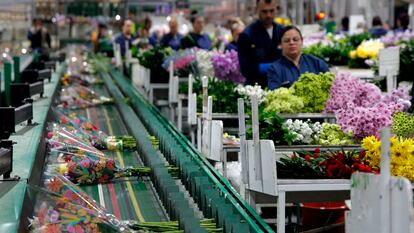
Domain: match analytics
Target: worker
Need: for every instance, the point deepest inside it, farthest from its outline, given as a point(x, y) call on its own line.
point(403, 22)
point(126, 36)
point(172, 39)
point(344, 26)
point(258, 44)
point(39, 37)
point(144, 34)
point(196, 38)
point(285, 71)
point(377, 29)
point(236, 29)
point(104, 43)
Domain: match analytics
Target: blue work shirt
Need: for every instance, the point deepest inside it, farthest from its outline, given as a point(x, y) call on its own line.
point(284, 72)
point(256, 47)
point(172, 41)
point(192, 40)
point(231, 46)
point(377, 31)
point(122, 40)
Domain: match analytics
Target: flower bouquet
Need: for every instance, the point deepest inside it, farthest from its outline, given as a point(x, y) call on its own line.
point(314, 90)
point(248, 91)
point(360, 107)
point(226, 67)
point(64, 207)
point(184, 63)
point(282, 100)
point(85, 169)
point(67, 211)
point(153, 59)
point(77, 96)
point(83, 128)
point(402, 158)
point(204, 62)
point(367, 50)
point(323, 165)
point(84, 80)
point(403, 125)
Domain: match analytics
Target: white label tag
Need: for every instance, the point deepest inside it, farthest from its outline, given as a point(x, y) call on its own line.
point(389, 61)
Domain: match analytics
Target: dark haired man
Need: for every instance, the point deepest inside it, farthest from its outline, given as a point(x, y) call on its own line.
point(258, 44)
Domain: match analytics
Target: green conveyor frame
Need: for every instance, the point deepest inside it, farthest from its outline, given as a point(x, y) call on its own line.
point(214, 195)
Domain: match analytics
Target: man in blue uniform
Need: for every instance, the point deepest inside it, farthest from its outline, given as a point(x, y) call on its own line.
point(173, 38)
point(285, 71)
point(258, 44)
point(196, 38)
point(126, 36)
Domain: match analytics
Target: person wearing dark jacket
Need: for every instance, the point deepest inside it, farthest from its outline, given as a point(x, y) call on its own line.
point(196, 38)
point(258, 44)
point(125, 37)
point(39, 38)
point(285, 71)
point(172, 39)
point(377, 29)
point(236, 29)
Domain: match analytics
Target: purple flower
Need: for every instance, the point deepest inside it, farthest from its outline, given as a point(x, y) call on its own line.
point(226, 66)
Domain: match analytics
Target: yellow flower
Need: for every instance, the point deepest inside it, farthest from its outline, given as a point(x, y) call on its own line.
point(402, 155)
point(63, 168)
point(353, 54)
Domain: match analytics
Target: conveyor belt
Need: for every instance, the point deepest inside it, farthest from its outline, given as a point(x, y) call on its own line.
point(130, 198)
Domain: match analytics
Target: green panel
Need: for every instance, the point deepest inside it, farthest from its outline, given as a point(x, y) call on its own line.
point(16, 68)
point(11, 202)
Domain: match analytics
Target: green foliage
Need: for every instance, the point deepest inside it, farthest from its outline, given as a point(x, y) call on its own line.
point(314, 90)
point(407, 62)
point(153, 60)
point(222, 92)
point(336, 54)
point(271, 128)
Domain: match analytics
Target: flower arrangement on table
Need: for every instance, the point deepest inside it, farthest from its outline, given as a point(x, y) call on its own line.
point(246, 92)
point(403, 125)
point(153, 59)
point(298, 132)
point(76, 96)
point(333, 52)
point(81, 127)
point(402, 158)
point(361, 108)
point(308, 94)
point(226, 66)
point(323, 165)
point(365, 54)
point(397, 38)
point(184, 62)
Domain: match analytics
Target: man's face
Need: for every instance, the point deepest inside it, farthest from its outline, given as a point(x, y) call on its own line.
point(198, 25)
point(127, 28)
point(266, 12)
point(173, 27)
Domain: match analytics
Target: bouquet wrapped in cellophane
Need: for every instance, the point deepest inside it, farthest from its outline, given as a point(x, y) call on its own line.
point(63, 207)
point(77, 96)
point(80, 126)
